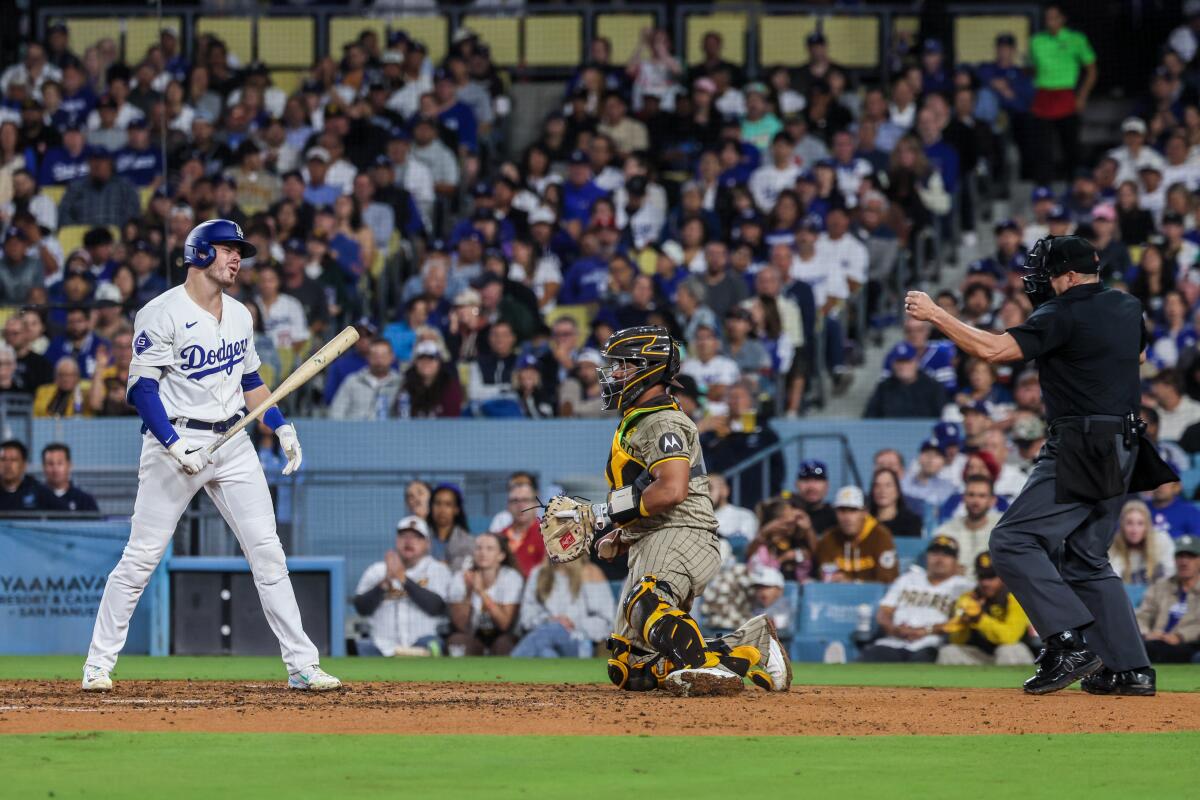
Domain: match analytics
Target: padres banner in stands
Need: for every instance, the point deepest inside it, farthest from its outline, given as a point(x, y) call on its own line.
point(51, 577)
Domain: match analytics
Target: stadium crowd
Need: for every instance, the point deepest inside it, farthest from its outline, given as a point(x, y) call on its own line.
point(766, 223)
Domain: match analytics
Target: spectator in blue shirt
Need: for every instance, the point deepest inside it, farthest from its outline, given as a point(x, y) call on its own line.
point(78, 99)
point(78, 342)
point(144, 263)
point(454, 115)
point(587, 279)
point(68, 162)
point(349, 362)
point(935, 357)
point(1172, 513)
point(579, 191)
point(317, 192)
point(139, 161)
point(1013, 89)
point(935, 78)
point(941, 155)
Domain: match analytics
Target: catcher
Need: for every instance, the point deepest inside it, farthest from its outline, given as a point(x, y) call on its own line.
point(659, 511)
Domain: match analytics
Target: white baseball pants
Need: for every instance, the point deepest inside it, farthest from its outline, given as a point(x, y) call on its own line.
point(238, 488)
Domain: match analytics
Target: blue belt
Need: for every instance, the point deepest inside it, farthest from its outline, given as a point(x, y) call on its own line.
point(215, 427)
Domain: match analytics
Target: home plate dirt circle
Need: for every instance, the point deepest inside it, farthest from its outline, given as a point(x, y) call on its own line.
point(564, 709)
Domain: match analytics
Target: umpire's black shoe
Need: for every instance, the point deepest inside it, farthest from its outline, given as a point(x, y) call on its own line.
point(1140, 682)
point(1063, 661)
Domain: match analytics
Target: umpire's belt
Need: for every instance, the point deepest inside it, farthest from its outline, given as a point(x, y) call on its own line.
point(215, 427)
point(1093, 423)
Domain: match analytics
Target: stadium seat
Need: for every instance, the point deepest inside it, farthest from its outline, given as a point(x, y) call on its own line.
point(433, 32)
point(906, 26)
point(731, 26)
point(781, 39)
point(55, 192)
point(235, 32)
point(501, 34)
point(975, 37)
point(853, 41)
point(909, 551)
point(71, 237)
point(344, 30)
point(142, 32)
point(831, 609)
point(144, 195)
point(288, 80)
point(86, 31)
point(287, 41)
point(1135, 592)
point(553, 40)
point(623, 31)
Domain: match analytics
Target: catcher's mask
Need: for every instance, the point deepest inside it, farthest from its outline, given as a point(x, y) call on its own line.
point(1053, 256)
point(643, 356)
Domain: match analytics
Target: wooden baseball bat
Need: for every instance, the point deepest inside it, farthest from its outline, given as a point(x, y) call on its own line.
point(302, 375)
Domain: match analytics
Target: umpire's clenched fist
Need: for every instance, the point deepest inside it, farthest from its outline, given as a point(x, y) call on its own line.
point(920, 306)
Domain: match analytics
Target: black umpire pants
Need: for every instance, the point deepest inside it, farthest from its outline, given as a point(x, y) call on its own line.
point(1054, 558)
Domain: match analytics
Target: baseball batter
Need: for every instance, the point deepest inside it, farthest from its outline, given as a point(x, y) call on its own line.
point(659, 510)
point(194, 374)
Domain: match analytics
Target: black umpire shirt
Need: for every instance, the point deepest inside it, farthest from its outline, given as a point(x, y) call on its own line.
point(1087, 343)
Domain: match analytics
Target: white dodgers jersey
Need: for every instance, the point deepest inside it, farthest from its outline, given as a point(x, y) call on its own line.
point(202, 358)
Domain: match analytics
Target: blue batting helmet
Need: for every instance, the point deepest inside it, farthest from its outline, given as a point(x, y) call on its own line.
point(198, 250)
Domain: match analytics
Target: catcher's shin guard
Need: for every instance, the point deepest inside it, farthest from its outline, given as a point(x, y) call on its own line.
point(669, 630)
point(741, 659)
point(631, 675)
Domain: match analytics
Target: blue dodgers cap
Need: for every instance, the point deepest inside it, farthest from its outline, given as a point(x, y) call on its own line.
point(813, 469)
point(931, 46)
point(1059, 214)
point(948, 433)
point(1041, 193)
point(1009, 224)
point(902, 352)
point(578, 157)
point(977, 406)
point(812, 223)
point(932, 443)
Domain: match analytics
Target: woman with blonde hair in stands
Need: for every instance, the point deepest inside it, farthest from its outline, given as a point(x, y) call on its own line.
point(566, 611)
point(1140, 554)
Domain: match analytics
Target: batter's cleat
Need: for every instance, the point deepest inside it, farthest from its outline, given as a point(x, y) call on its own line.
point(774, 673)
point(1140, 682)
point(313, 679)
point(96, 679)
point(703, 682)
point(1064, 660)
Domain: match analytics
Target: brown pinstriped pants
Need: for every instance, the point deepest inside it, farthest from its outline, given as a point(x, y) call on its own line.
point(683, 560)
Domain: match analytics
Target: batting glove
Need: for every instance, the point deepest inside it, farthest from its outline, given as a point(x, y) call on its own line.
point(291, 447)
point(191, 459)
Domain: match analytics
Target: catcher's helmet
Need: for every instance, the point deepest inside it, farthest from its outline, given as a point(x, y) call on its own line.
point(198, 250)
point(1053, 256)
point(649, 352)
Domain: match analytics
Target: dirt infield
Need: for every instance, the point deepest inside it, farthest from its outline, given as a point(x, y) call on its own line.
point(499, 708)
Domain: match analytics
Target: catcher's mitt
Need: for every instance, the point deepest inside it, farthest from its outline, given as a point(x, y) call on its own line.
point(568, 527)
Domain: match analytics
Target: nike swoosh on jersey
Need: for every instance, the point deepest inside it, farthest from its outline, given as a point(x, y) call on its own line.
point(189, 324)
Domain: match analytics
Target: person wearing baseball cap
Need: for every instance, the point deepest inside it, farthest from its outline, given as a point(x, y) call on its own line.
point(1169, 619)
point(908, 392)
point(914, 614)
point(858, 547)
point(988, 625)
point(766, 586)
point(1087, 342)
point(926, 482)
point(812, 495)
point(1114, 253)
point(404, 596)
point(1134, 153)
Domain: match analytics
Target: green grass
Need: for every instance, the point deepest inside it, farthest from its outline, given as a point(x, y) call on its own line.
point(183, 766)
point(1171, 678)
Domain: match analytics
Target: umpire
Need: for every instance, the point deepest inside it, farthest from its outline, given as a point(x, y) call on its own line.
point(1051, 546)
